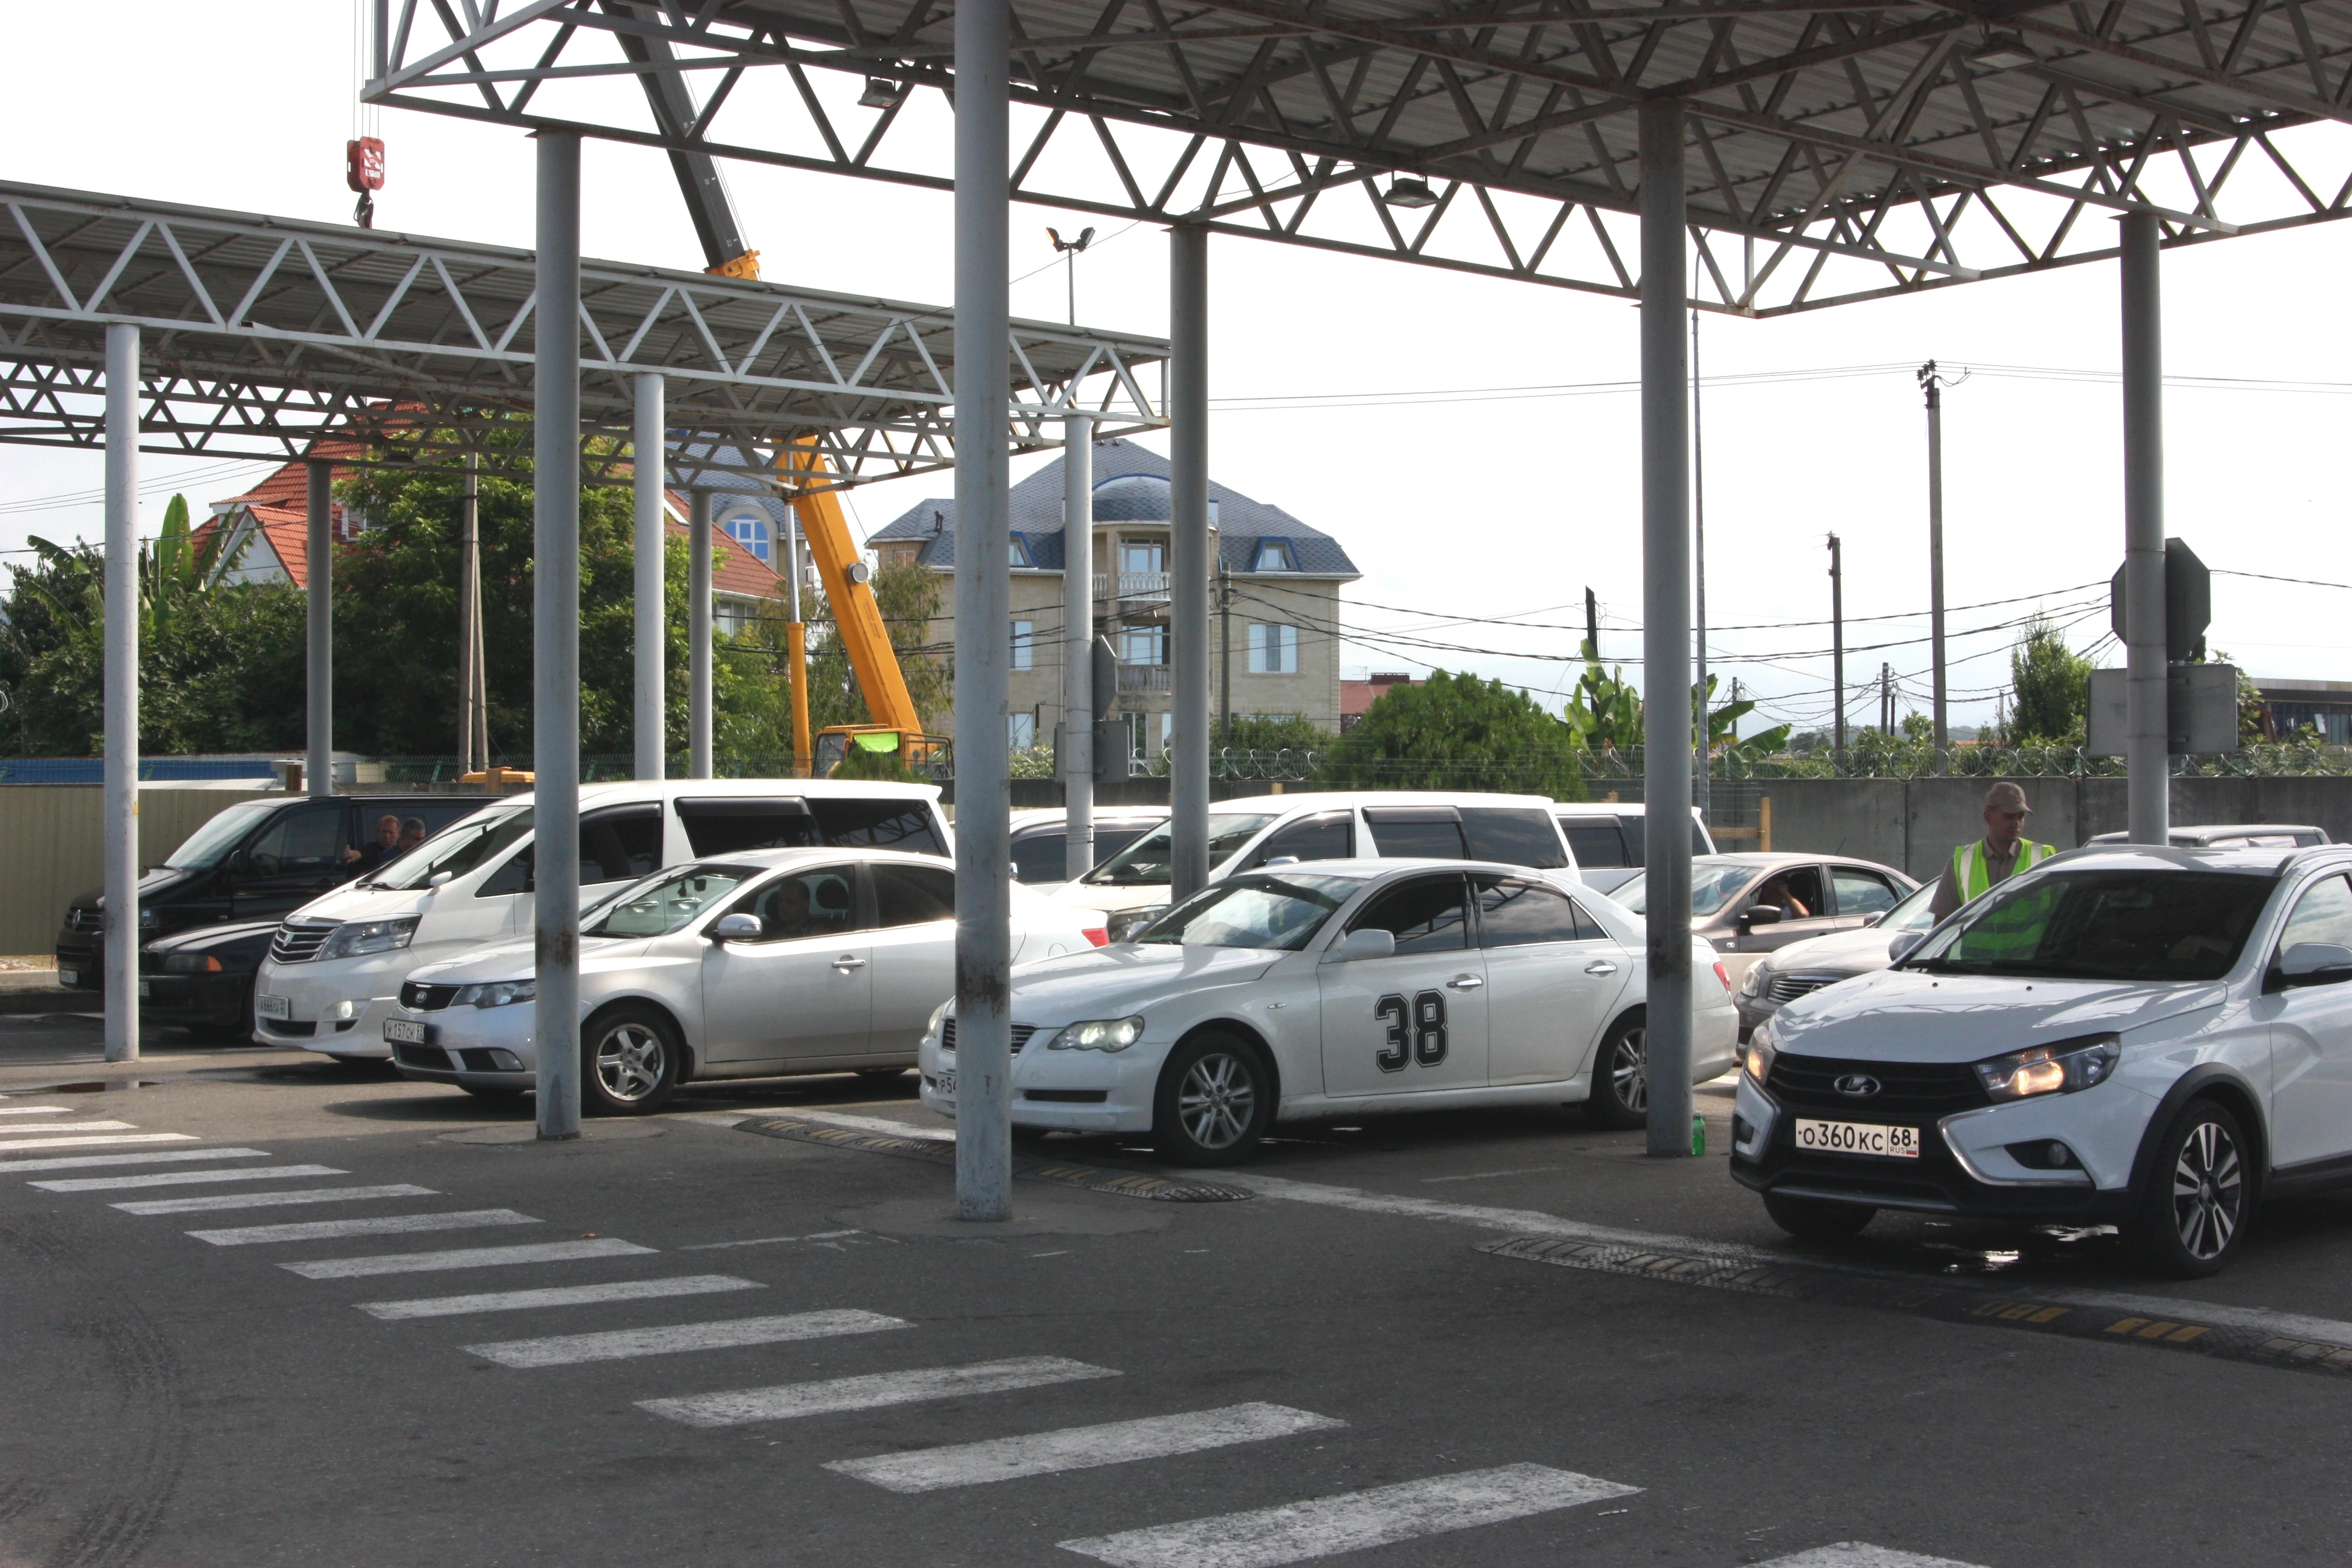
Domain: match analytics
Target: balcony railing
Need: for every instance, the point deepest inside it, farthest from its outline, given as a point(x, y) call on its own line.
point(1145, 678)
point(1145, 585)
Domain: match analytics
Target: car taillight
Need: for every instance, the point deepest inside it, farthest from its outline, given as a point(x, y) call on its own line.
point(1723, 974)
point(1100, 937)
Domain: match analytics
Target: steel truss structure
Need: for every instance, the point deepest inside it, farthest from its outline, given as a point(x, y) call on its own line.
point(1836, 149)
point(261, 334)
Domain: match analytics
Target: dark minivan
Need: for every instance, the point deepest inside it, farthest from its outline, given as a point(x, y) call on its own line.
point(255, 861)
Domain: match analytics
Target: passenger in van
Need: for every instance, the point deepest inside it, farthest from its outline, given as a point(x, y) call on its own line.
point(412, 834)
point(382, 847)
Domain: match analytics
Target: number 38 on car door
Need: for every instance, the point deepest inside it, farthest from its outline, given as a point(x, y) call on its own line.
point(1416, 1021)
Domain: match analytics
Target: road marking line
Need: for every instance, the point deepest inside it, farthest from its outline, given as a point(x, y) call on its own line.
point(768, 1240)
point(155, 1157)
point(787, 1400)
point(18, 1145)
point(174, 1178)
point(1082, 1447)
point(273, 1200)
point(38, 1110)
point(318, 1230)
point(8, 1132)
point(558, 1296)
point(861, 1123)
point(1517, 1222)
point(1351, 1522)
point(1489, 1175)
point(465, 1258)
point(1860, 1554)
point(566, 1349)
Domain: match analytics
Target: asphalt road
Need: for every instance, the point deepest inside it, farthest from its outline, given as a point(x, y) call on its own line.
point(728, 1343)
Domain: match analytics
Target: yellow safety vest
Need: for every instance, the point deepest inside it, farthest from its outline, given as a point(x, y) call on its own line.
point(1974, 875)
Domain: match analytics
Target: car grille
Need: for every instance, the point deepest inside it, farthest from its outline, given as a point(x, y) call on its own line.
point(419, 999)
point(300, 942)
point(1789, 987)
point(1020, 1033)
point(1924, 1089)
point(85, 919)
point(431, 1058)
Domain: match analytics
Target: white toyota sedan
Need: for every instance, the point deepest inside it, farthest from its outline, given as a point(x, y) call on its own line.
point(759, 964)
point(1336, 989)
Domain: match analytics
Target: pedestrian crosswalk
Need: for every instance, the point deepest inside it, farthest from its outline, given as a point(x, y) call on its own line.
point(1300, 1531)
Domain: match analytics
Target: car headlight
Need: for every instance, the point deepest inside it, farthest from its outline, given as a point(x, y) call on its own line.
point(191, 963)
point(495, 994)
point(1125, 925)
point(1758, 1062)
point(354, 938)
point(938, 1018)
point(1099, 1035)
point(1752, 982)
point(2062, 1068)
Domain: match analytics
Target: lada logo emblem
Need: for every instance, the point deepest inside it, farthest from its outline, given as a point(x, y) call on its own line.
point(1861, 1086)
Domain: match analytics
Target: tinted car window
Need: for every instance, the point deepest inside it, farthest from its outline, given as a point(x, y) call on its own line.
point(1517, 835)
point(731, 826)
point(884, 824)
point(913, 895)
point(208, 843)
point(2103, 925)
point(1595, 840)
point(1861, 892)
point(1040, 857)
point(308, 838)
point(817, 903)
point(615, 846)
point(1402, 832)
point(1328, 835)
point(2325, 915)
point(1427, 914)
point(1519, 914)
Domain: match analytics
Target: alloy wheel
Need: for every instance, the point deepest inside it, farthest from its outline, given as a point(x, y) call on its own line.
point(629, 1062)
point(1629, 1069)
point(2208, 1190)
point(1217, 1100)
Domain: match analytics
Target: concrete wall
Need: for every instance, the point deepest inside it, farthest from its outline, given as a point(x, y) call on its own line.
point(52, 846)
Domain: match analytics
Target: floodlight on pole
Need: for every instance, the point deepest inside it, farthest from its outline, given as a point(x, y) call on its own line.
point(1409, 192)
point(882, 92)
point(2003, 51)
point(1068, 250)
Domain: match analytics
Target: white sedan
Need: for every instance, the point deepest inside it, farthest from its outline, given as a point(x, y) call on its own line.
point(1338, 989)
point(755, 965)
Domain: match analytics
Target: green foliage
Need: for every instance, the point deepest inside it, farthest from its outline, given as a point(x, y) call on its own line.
point(908, 596)
point(1457, 731)
point(1605, 713)
point(2053, 688)
point(1274, 732)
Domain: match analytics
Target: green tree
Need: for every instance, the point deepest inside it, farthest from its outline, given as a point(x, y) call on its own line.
point(2052, 687)
point(1604, 711)
point(1457, 731)
point(1276, 732)
point(908, 596)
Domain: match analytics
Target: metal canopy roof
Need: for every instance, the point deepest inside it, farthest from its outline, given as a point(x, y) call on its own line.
point(262, 333)
point(1836, 149)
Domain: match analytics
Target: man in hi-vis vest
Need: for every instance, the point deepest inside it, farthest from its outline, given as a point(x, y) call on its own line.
point(2004, 851)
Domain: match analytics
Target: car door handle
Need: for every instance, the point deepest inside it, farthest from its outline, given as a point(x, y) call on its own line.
point(1600, 966)
point(1465, 982)
point(849, 961)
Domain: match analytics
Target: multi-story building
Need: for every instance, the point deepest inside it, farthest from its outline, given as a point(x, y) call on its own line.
point(1275, 606)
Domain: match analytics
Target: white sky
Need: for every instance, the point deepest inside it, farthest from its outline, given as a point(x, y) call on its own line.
point(1495, 508)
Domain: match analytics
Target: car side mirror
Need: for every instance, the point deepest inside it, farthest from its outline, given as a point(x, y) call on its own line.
point(1368, 942)
point(728, 928)
point(1283, 860)
point(1899, 946)
point(2315, 963)
point(1873, 919)
point(439, 879)
point(1759, 915)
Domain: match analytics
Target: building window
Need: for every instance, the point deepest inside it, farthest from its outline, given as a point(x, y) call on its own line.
point(1142, 555)
point(1021, 730)
point(1273, 555)
point(1273, 649)
point(750, 531)
point(1021, 551)
point(1143, 645)
point(1024, 644)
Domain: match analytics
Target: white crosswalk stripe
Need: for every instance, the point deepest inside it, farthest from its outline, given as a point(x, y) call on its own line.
point(1860, 1554)
point(1082, 1447)
point(179, 1178)
point(785, 1401)
point(36, 1110)
point(460, 1258)
point(566, 1349)
point(1350, 1522)
point(320, 1230)
point(273, 1200)
point(18, 1145)
point(555, 1296)
point(149, 1157)
point(10, 1132)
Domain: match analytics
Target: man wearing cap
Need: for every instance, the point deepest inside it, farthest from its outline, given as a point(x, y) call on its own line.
point(2004, 851)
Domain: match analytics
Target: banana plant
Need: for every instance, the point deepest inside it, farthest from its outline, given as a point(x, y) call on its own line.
point(1604, 711)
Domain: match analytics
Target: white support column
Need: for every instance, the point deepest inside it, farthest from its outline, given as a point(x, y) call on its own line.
point(121, 928)
point(697, 635)
point(1078, 757)
point(652, 628)
point(555, 634)
point(318, 608)
point(983, 616)
point(469, 613)
point(1190, 558)
point(1666, 625)
point(2146, 714)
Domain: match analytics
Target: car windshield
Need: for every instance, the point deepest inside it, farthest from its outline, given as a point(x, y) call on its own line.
point(457, 850)
point(2103, 925)
point(206, 846)
point(1913, 912)
point(1281, 911)
point(1712, 886)
point(667, 902)
point(1146, 862)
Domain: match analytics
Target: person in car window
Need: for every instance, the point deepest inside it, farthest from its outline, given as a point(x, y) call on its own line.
point(788, 912)
point(382, 847)
point(1777, 893)
point(412, 834)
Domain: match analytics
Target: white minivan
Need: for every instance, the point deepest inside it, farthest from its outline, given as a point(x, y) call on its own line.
point(335, 965)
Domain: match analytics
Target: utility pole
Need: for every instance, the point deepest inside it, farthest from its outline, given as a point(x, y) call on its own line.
point(1702, 782)
point(1591, 626)
point(1933, 384)
point(1225, 653)
point(1887, 700)
point(1837, 649)
point(469, 617)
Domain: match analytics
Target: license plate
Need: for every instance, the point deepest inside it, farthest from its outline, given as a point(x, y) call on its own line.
point(269, 1006)
point(945, 1083)
point(1859, 1138)
point(142, 989)
point(68, 976)
point(407, 1032)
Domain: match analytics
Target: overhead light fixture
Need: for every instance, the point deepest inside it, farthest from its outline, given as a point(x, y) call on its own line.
point(881, 92)
point(2003, 51)
point(1409, 192)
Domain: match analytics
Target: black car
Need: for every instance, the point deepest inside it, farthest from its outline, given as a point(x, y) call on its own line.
point(256, 861)
point(201, 979)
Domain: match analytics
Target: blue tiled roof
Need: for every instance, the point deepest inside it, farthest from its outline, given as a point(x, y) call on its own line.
point(1130, 485)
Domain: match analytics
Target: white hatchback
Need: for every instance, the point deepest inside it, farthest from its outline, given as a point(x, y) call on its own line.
point(1339, 989)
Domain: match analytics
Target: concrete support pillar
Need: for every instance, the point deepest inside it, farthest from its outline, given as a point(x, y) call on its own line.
point(122, 956)
point(698, 633)
point(2146, 716)
point(471, 721)
point(1077, 751)
point(555, 634)
point(648, 457)
point(1191, 560)
point(1666, 624)
point(318, 628)
point(983, 616)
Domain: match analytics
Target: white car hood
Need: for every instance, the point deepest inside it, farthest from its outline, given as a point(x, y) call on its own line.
point(1839, 952)
point(355, 904)
point(1909, 1014)
point(518, 960)
point(1128, 977)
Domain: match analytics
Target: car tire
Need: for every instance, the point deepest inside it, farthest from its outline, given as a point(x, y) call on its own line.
point(1817, 1219)
point(2199, 1196)
point(1215, 1102)
point(1621, 1075)
point(629, 1058)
